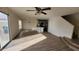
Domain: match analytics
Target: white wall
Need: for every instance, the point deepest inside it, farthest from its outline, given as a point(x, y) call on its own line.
point(14, 26)
point(29, 23)
point(13, 22)
point(74, 19)
point(60, 27)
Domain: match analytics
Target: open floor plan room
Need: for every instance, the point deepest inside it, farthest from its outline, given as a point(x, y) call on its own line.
point(39, 28)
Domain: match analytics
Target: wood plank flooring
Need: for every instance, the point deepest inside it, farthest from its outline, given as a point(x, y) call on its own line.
point(52, 43)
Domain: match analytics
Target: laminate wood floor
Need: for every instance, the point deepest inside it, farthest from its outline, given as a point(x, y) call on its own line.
point(51, 43)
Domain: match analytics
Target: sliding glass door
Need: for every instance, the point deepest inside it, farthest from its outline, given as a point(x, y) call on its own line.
point(4, 30)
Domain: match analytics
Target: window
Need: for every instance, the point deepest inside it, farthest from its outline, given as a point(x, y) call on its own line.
point(20, 24)
point(4, 30)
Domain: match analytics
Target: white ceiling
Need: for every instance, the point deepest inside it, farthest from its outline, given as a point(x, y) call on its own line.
point(21, 11)
point(59, 11)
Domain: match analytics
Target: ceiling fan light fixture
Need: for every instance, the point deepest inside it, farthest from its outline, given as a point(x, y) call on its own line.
point(40, 10)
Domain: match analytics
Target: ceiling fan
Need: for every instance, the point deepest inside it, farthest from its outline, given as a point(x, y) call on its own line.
point(40, 10)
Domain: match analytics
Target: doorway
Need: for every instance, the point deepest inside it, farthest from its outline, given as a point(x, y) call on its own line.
point(44, 24)
point(76, 33)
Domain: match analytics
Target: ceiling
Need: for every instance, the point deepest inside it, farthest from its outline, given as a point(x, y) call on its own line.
point(73, 19)
point(59, 11)
point(21, 11)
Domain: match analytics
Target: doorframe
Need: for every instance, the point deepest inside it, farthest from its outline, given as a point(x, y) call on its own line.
point(47, 22)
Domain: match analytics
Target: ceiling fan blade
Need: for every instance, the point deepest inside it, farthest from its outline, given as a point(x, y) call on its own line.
point(47, 8)
point(44, 13)
point(30, 10)
point(38, 8)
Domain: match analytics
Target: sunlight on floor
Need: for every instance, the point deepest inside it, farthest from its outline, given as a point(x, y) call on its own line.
point(31, 40)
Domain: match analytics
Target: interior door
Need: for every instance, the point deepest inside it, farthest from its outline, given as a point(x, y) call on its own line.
point(4, 30)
